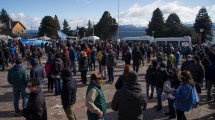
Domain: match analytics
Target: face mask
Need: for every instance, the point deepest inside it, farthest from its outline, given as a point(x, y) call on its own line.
point(27, 90)
point(162, 68)
point(189, 59)
point(100, 82)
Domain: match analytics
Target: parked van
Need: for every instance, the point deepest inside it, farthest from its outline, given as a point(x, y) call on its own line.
point(90, 39)
point(142, 39)
point(175, 41)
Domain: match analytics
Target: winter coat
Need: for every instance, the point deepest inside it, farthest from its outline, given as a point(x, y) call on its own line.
point(183, 97)
point(185, 65)
point(110, 60)
point(120, 82)
point(137, 57)
point(36, 107)
point(129, 101)
point(211, 72)
point(161, 78)
point(104, 58)
point(18, 77)
point(68, 93)
point(36, 71)
point(83, 63)
point(198, 72)
point(151, 75)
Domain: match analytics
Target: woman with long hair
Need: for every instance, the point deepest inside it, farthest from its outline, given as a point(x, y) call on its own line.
point(121, 80)
point(183, 95)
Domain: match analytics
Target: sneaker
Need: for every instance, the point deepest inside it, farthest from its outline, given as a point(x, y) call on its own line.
point(159, 109)
point(172, 117)
point(167, 113)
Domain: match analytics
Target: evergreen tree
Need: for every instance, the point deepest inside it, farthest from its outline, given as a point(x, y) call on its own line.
point(203, 21)
point(66, 27)
point(156, 25)
point(90, 28)
point(48, 27)
point(57, 22)
point(106, 28)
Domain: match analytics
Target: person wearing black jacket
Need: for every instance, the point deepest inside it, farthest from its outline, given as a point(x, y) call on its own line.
point(175, 83)
point(68, 94)
point(162, 77)
point(36, 106)
point(151, 76)
point(137, 57)
point(127, 57)
point(129, 101)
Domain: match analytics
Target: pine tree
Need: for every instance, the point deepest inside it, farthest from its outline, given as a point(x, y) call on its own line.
point(156, 26)
point(90, 28)
point(48, 27)
point(203, 21)
point(106, 28)
point(57, 22)
point(66, 27)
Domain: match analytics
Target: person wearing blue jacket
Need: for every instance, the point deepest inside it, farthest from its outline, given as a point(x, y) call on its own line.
point(73, 59)
point(183, 95)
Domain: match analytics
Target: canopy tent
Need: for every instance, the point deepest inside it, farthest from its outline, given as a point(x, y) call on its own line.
point(5, 37)
point(44, 38)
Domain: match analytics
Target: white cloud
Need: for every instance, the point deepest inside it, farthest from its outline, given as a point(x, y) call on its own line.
point(136, 15)
point(28, 21)
point(141, 15)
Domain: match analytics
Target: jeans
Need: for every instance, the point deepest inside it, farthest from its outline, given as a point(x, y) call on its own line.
point(84, 76)
point(103, 71)
point(70, 113)
point(136, 68)
point(57, 86)
point(16, 94)
point(110, 74)
point(148, 85)
point(171, 106)
point(180, 115)
point(73, 67)
point(159, 92)
point(209, 87)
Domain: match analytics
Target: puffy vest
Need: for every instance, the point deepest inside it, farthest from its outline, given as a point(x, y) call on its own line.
point(99, 102)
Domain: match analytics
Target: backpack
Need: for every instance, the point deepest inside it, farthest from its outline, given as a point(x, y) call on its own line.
point(57, 67)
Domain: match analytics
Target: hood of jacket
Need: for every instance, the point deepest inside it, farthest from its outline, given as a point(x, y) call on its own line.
point(17, 67)
point(34, 62)
point(131, 82)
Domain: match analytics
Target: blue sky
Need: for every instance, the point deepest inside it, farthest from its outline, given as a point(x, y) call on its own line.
point(78, 12)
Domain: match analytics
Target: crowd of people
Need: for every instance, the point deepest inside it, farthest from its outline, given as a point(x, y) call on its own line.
point(65, 59)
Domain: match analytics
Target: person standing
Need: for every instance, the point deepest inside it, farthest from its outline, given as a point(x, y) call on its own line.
point(198, 73)
point(73, 59)
point(103, 64)
point(111, 60)
point(93, 59)
point(37, 71)
point(151, 77)
point(186, 64)
point(120, 83)
point(211, 80)
point(175, 83)
point(83, 67)
point(127, 57)
point(177, 57)
point(95, 99)
point(129, 101)
point(137, 57)
point(162, 77)
point(56, 68)
point(183, 95)
point(36, 106)
point(18, 78)
point(68, 94)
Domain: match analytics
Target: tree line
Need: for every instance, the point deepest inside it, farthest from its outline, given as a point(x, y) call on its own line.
point(107, 26)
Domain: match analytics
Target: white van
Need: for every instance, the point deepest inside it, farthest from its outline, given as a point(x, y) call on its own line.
point(142, 39)
point(175, 41)
point(90, 39)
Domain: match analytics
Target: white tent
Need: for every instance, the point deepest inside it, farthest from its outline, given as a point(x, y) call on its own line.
point(3, 37)
point(44, 38)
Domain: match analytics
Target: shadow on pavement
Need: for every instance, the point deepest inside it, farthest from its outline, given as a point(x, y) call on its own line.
point(7, 97)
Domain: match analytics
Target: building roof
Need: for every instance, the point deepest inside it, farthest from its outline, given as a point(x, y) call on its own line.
point(16, 22)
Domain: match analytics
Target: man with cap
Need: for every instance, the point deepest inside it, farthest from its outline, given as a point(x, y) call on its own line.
point(130, 101)
point(18, 78)
point(95, 99)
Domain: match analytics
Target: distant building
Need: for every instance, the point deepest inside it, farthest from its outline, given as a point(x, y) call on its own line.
point(17, 28)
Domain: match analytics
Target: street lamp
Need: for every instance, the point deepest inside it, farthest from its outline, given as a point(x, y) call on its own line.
point(201, 30)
